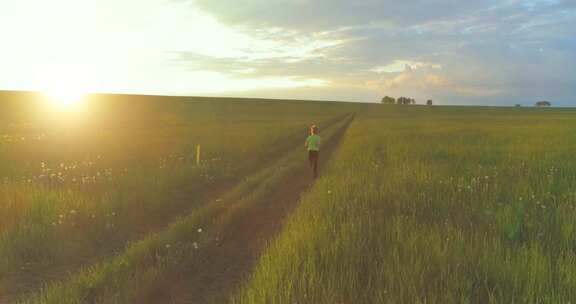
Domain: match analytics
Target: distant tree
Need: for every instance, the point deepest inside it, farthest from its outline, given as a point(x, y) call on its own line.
point(429, 102)
point(543, 103)
point(400, 100)
point(388, 100)
point(518, 105)
point(405, 101)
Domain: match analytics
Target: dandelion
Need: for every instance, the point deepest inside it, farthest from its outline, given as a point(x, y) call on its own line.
point(195, 245)
point(329, 191)
point(73, 211)
point(199, 230)
point(167, 246)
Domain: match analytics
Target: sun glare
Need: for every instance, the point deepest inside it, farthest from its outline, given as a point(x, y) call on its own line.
point(64, 97)
point(64, 85)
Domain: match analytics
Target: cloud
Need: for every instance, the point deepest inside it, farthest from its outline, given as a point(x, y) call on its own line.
point(426, 81)
point(320, 15)
point(483, 51)
point(403, 65)
point(491, 51)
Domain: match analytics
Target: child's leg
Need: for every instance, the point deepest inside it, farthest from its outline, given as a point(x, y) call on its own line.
point(316, 156)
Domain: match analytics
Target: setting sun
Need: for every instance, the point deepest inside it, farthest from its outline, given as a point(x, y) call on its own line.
point(64, 97)
point(64, 85)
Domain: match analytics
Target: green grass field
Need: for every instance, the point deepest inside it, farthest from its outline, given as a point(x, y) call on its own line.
point(75, 192)
point(414, 204)
point(434, 205)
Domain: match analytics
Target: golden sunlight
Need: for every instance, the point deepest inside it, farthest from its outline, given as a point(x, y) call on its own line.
point(64, 97)
point(64, 85)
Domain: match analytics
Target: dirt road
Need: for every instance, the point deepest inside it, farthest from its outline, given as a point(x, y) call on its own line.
point(240, 240)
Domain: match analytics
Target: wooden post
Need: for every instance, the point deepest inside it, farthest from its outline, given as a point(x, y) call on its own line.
point(197, 155)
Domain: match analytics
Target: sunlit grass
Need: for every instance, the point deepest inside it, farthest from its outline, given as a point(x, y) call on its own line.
point(71, 195)
point(152, 262)
point(434, 206)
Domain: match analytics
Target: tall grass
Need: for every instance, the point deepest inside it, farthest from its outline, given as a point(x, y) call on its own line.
point(71, 195)
point(431, 205)
point(183, 245)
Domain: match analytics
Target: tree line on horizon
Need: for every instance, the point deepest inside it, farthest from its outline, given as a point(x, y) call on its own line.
point(543, 103)
point(402, 100)
point(411, 101)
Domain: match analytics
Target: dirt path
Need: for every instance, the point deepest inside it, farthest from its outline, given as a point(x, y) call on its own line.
point(242, 237)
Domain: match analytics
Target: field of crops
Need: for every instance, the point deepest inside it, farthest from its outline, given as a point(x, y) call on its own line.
point(414, 204)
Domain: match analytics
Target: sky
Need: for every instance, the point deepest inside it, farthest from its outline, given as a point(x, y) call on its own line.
point(483, 52)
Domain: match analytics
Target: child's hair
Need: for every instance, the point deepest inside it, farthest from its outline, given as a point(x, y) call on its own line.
point(314, 129)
